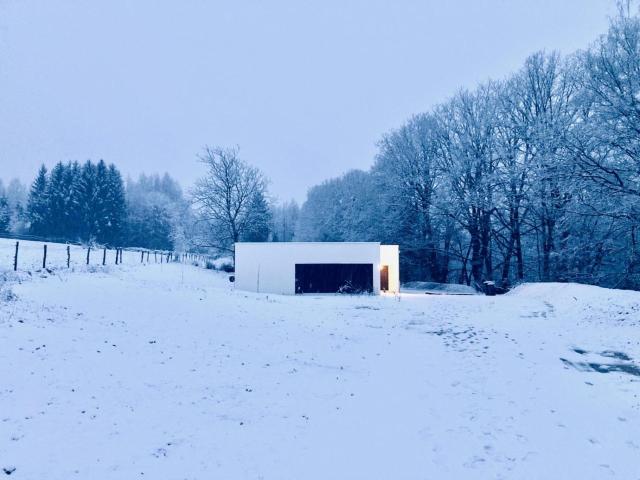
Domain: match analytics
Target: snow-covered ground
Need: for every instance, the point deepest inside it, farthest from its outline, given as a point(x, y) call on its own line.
point(30, 255)
point(165, 372)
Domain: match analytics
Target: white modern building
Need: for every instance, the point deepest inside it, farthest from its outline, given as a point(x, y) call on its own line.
point(317, 267)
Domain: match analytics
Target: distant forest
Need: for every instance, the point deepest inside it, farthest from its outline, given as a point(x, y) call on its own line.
point(535, 177)
point(90, 203)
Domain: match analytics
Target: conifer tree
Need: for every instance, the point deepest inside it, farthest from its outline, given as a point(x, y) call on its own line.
point(258, 219)
point(86, 193)
point(37, 205)
point(99, 203)
point(5, 215)
point(114, 206)
point(73, 214)
point(57, 202)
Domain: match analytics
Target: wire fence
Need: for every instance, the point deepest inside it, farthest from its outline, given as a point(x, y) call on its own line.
point(29, 253)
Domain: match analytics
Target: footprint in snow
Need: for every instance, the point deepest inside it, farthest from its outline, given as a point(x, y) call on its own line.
point(160, 452)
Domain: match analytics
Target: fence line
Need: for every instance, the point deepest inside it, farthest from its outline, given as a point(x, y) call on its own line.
point(25, 257)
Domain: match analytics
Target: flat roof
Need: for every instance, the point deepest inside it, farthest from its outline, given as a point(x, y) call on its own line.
point(308, 243)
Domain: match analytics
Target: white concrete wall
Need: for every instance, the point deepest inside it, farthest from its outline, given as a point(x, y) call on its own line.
point(390, 255)
point(270, 266)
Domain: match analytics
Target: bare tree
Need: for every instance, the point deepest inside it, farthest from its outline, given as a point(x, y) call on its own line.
point(537, 113)
point(468, 156)
point(611, 80)
point(408, 171)
point(284, 220)
point(223, 197)
point(536, 177)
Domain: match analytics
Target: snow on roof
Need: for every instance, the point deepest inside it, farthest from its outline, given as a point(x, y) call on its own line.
point(307, 243)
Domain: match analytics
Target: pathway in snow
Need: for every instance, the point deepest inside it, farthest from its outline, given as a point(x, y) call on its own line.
point(164, 371)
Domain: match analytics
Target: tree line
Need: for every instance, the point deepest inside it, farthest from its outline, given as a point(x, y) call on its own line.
point(90, 203)
point(535, 177)
point(83, 202)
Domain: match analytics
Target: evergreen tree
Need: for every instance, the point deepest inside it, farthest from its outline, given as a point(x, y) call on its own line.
point(155, 209)
point(89, 203)
point(38, 205)
point(5, 215)
point(17, 195)
point(99, 204)
point(85, 201)
point(258, 219)
point(150, 226)
point(115, 207)
point(73, 216)
point(57, 202)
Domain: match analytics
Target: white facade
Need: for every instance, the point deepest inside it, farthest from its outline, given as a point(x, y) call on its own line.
point(270, 267)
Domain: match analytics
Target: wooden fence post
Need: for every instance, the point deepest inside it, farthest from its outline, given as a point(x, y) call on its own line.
point(88, 253)
point(155, 256)
point(120, 256)
point(44, 257)
point(142, 257)
point(68, 255)
point(15, 258)
point(117, 256)
point(104, 255)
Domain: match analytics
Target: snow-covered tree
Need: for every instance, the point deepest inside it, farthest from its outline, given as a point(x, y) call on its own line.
point(339, 210)
point(407, 174)
point(157, 214)
point(468, 156)
point(225, 196)
point(76, 203)
point(284, 217)
point(5, 215)
point(258, 223)
point(38, 204)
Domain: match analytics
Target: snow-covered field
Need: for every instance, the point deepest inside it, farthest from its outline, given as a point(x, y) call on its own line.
point(30, 255)
point(165, 372)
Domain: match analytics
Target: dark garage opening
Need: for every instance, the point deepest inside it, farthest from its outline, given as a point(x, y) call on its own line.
point(334, 278)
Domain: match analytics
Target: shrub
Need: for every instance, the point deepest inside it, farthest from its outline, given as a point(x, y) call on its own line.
point(227, 267)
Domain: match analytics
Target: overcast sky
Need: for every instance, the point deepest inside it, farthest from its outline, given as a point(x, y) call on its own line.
point(305, 88)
